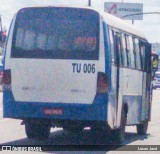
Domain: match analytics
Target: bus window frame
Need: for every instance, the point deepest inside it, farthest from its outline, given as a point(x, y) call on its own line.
point(112, 47)
point(137, 53)
point(128, 52)
point(124, 48)
point(143, 55)
point(131, 50)
point(118, 47)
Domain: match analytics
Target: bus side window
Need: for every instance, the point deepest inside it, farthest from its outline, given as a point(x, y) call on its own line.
point(137, 53)
point(131, 52)
point(112, 47)
point(128, 51)
point(124, 54)
point(148, 57)
point(142, 53)
point(118, 46)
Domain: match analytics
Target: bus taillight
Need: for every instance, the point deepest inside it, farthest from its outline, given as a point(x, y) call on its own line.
point(1, 73)
point(102, 83)
point(6, 77)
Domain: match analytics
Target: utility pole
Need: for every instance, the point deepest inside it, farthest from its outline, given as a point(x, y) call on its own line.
point(139, 14)
point(1, 32)
point(0, 23)
point(89, 2)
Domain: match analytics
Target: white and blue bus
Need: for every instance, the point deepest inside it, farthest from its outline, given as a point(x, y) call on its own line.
point(74, 68)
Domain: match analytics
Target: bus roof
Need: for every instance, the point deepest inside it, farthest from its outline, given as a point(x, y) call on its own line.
point(121, 24)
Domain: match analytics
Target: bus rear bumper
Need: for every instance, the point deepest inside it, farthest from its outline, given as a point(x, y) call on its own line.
point(97, 111)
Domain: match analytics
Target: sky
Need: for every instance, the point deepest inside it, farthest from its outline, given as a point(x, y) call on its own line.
point(150, 25)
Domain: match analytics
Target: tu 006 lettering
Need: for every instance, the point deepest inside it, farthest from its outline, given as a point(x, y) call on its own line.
point(85, 68)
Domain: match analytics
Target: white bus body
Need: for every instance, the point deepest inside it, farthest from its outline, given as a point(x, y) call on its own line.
point(76, 67)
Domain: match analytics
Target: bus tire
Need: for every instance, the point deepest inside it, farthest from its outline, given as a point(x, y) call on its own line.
point(119, 134)
point(142, 128)
point(37, 130)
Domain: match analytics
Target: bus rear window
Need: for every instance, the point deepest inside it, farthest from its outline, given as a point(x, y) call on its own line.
point(56, 33)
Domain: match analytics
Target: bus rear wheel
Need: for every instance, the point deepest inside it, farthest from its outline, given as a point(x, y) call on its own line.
point(37, 130)
point(142, 128)
point(119, 134)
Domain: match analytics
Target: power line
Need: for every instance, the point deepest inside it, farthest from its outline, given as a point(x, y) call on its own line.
point(140, 14)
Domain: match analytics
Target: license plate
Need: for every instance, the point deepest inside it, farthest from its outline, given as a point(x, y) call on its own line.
point(53, 111)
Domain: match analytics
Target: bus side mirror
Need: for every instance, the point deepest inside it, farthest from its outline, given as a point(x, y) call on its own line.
point(155, 61)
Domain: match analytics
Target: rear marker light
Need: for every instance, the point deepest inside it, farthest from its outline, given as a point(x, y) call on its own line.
point(102, 83)
point(6, 80)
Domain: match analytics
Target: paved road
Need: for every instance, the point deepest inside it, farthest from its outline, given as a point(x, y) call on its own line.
point(12, 133)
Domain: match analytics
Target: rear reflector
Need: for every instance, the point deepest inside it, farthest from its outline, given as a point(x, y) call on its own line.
point(102, 83)
point(6, 80)
point(1, 73)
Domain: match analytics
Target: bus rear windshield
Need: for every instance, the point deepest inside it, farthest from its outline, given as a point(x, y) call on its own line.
point(56, 33)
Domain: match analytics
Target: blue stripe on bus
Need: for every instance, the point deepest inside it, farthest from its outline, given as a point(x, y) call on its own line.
point(107, 55)
point(21, 110)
